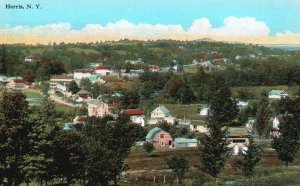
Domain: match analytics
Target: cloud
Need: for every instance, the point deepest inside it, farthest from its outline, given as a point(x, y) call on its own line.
point(233, 29)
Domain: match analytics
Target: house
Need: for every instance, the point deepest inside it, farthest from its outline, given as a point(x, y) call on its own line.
point(154, 68)
point(103, 70)
point(204, 111)
point(31, 58)
point(238, 138)
point(242, 104)
point(161, 140)
point(95, 78)
point(277, 121)
point(137, 61)
point(198, 128)
point(277, 94)
point(60, 82)
point(83, 95)
point(80, 120)
point(98, 108)
point(136, 116)
point(83, 73)
point(16, 84)
point(161, 114)
point(3, 80)
point(185, 143)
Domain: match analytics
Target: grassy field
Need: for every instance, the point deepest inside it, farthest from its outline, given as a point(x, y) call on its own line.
point(256, 90)
point(270, 170)
point(32, 94)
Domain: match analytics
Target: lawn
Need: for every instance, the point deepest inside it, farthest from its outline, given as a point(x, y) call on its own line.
point(32, 94)
point(256, 90)
point(143, 168)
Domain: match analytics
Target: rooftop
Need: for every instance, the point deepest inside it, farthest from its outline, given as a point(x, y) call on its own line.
point(151, 134)
point(134, 112)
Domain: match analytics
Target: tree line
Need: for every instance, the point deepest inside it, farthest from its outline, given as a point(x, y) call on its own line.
point(34, 147)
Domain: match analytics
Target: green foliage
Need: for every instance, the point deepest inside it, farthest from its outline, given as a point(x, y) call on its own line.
point(250, 159)
point(13, 141)
point(179, 166)
point(73, 87)
point(148, 148)
point(262, 124)
point(287, 144)
point(86, 84)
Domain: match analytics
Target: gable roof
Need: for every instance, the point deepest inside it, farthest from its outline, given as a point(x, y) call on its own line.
point(237, 131)
point(84, 71)
point(185, 140)
point(102, 67)
point(61, 77)
point(151, 134)
point(277, 92)
point(18, 81)
point(163, 109)
point(134, 112)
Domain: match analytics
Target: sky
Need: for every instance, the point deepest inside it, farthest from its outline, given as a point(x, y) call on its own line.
point(254, 21)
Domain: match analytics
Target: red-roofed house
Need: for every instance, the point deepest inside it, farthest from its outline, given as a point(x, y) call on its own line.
point(136, 116)
point(103, 70)
point(16, 84)
point(80, 119)
point(31, 58)
point(155, 68)
point(83, 73)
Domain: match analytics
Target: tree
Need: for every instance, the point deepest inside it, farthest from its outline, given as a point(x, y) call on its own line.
point(3, 59)
point(286, 144)
point(86, 84)
point(250, 158)
point(39, 161)
point(214, 151)
point(69, 156)
point(45, 86)
point(73, 87)
point(107, 143)
point(13, 136)
point(179, 166)
point(223, 108)
point(262, 117)
point(148, 148)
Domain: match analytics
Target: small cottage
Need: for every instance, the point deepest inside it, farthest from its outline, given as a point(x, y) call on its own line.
point(82, 73)
point(161, 114)
point(238, 138)
point(277, 94)
point(103, 70)
point(98, 108)
point(185, 143)
point(161, 140)
point(136, 116)
point(16, 84)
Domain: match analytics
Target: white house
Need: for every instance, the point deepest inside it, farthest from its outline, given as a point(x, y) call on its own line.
point(161, 114)
point(82, 73)
point(238, 138)
point(277, 94)
point(30, 58)
point(136, 116)
point(204, 111)
point(185, 143)
point(60, 82)
point(103, 70)
point(198, 128)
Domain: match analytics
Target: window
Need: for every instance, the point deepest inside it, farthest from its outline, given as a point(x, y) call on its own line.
point(162, 143)
point(170, 142)
point(162, 136)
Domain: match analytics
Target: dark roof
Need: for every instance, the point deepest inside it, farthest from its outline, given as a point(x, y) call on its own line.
point(61, 77)
point(102, 68)
point(18, 80)
point(134, 112)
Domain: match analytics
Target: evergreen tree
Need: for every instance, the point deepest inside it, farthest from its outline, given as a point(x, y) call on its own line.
point(250, 158)
point(3, 59)
point(262, 117)
point(214, 151)
point(86, 84)
point(73, 87)
point(223, 108)
point(287, 143)
point(13, 136)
